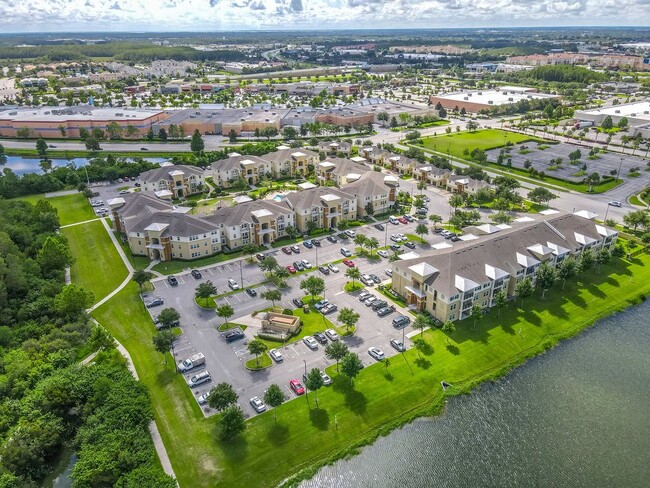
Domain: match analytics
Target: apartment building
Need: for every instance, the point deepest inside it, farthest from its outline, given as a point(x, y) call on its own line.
point(375, 155)
point(287, 161)
point(375, 193)
point(251, 169)
point(447, 283)
point(339, 171)
point(432, 175)
point(402, 164)
point(464, 185)
point(335, 147)
point(321, 207)
point(173, 181)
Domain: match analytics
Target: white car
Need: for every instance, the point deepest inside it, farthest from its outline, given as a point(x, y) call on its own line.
point(258, 404)
point(402, 237)
point(395, 238)
point(203, 399)
point(383, 253)
point(333, 268)
point(233, 284)
point(615, 204)
point(306, 264)
point(376, 353)
point(367, 280)
point(311, 342)
point(332, 335)
point(327, 381)
point(389, 272)
point(346, 252)
point(276, 355)
point(351, 234)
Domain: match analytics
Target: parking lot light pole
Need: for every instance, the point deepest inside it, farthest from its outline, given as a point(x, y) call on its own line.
point(316, 256)
point(304, 361)
point(386, 234)
point(241, 273)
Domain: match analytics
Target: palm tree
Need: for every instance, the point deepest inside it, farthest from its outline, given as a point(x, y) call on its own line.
point(225, 311)
point(421, 322)
point(353, 273)
point(257, 347)
point(348, 317)
point(360, 240)
point(372, 244)
point(205, 290)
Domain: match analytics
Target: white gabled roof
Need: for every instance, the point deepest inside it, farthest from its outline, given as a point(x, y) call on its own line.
point(326, 164)
point(540, 250)
point(246, 162)
point(586, 214)
point(298, 154)
point(442, 245)
point(353, 176)
point(233, 154)
point(488, 228)
point(464, 284)
point(113, 202)
point(503, 226)
point(242, 199)
point(176, 172)
point(549, 211)
point(583, 239)
point(306, 185)
point(495, 273)
point(391, 179)
point(468, 237)
point(280, 148)
point(557, 250)
point(155, 227)
point(409, 255)
point(524, 219)
point(330, 197)
point(261, 213)
point(526, 261)
point(602, 230)
point(166, 164)
point(423, 269)
point(358, 159)
point(164, 194)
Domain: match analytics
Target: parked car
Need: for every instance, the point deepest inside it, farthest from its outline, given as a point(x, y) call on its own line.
point(346, 252)
point(258, 405)
point(196, 274)
point(332, 239)
point(379, 226)
point(454, 239)
point(199, 379)
point(320, 337)
point(310, 342)
point(333, 267)
point(260, 256)
point(316, 242)
point(324, 270)
point(276, 355)
point(363, 295)
point(192, 362)
point(349, 263)
point(172, 280)
point(375, 278)
point(376, 353)
point(154, 302)
point(295, 249)
point(397, 344)
point(350, 233)
point(409, 218)
point(395, 247)
point(367, 280)
point(306, 264)
point(297, 302)
point(393, 220)
point(291, 269)
point(297, 387)
point(298, 265)
point(377, 304)
point(389, 272)
point(401, 321)
point(286, 250)
point(383, 253)
point(308, 244)
point(382, 312)
point(402, 220)
point(233, 284)
point(321, 304)
point(138, 185)
point(160, 326)
point(410, 245)
point(328, 309)
point(203, 399)
point(327, 381)
point(395, 238)
point(251, 292)
point(615, 204)
point(234, 335)
point(368, 301)
point(402, 237)
point(332, 335)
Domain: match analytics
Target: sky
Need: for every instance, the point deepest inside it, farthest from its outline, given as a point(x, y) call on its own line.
point(220, 15)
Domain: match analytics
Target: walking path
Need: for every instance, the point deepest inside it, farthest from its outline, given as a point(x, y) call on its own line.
point(61, 193)
point(82, 222)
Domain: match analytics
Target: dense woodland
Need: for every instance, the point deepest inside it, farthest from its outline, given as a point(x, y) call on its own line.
point(47, 399)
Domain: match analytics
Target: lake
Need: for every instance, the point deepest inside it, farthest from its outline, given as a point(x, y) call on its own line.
point(578, 416)
point(20, 166)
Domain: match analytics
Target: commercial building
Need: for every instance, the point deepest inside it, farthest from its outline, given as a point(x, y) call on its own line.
point(476, 100)
point(448, 283)
point(636, 113)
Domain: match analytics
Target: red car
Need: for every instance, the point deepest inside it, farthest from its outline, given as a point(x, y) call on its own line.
point(349, 263)
point(402, 220)
point(297, 387)
point(286, 250)
point(291, 269)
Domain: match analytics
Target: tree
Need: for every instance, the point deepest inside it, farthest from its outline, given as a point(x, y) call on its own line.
point(257, 347)
point(360, 240)
point(92, 143)
point(421, 322)
point(421, 230)
point(500, 299)
point(545, 277)
point(369, 208)
point(72, 301)
point(456, 201)
point(196, 144)
point(225, 311)
point(348, 317)
point(54, 255)
point(541, 195)
point(232, 423)
point(435, 219)
point(622, 123)
point(353, 273)
point(46, 165)
point(162, 134)
point(272, 295)
point(269, 264)
point(336, 351)
point(351, 365)
point(372, 243)
point(274, 397)
point(63, 130)
point(607, 123)
point(141, 276)
point(249, 250)
point(114, 130)
point(592, 180)
point(3, 156)
point(168, 316)
point(291, 231)
point(476, 314)
point(314, 382)
point(289, 132)
point(162, 341)
point(41, 147)
point(586, 259)
point(524, 289)
point(449, 328)
point(222, 396)
point(639, 217)
point(205, 290)
point(232, 136)
point(314, 285)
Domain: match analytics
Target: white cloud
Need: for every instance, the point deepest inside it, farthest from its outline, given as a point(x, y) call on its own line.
point(170, 15)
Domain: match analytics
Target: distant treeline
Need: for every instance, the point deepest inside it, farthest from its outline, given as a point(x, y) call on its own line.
point(122, 51)
point(561, 73)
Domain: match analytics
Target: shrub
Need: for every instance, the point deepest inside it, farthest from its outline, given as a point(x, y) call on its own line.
point(287, 311)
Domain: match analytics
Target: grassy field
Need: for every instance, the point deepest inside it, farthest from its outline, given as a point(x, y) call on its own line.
point(456, 143)
point(381, 399)
point(98, 266)
point(71, 208)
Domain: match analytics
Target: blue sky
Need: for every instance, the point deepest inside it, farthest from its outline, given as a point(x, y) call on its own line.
point(215, 15)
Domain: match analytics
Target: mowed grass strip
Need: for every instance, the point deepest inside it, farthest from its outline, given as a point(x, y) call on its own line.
point(71, 208)
point(98, 266)
point(485, 139)
point(380, 399)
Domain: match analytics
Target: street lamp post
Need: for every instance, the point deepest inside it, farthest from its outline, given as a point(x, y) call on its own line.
point(304, 361)
point(241, 273)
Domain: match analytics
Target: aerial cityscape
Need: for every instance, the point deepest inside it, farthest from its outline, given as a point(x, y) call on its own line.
point(270, 243)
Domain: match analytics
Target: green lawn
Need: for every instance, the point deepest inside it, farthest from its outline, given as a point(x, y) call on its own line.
point(98, 266)
point(71, 208)
point(264, 361)
point(485, 139)
point(176, 266)
point(381, 398)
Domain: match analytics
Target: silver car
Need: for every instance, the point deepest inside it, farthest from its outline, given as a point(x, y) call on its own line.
point(376, 353)
point(258, 404)
point(203, 399)
point(276, 355)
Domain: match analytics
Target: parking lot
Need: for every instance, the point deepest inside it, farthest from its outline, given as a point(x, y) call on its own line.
point(225, 361)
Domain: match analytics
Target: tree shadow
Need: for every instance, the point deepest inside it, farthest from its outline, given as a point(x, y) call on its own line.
point(278, 434)
point(319, 418)
point(165, 377)
point(453, 349)
point(356, 401)
point(532, 317)
point(389, 376)
point(594, 290)
point(423, 363)
point(235, 450)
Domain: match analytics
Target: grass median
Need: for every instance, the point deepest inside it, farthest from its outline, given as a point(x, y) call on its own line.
point(380, 399)
point(71, 208)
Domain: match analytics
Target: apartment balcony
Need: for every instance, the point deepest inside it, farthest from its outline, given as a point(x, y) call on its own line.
point(159, 247)
point(268, 230)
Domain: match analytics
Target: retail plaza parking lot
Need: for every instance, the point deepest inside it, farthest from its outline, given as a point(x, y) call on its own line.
point(225, 361)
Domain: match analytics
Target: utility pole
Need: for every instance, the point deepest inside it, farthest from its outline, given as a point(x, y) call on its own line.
point(241, 273)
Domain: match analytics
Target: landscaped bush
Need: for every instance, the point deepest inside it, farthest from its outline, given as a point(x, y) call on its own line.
point(287, 311)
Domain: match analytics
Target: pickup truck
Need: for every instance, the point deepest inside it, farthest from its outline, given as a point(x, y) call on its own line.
point(192, 362)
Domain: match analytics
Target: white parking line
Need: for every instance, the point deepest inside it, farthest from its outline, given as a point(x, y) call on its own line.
point(209, 270)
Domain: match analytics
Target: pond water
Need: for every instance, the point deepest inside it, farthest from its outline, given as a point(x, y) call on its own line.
point(578, 416)
point(21, 166)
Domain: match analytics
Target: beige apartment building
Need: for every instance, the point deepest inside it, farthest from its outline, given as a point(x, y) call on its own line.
point(321, 207)
point(448, 282)
point(251, 169)
point(173, 181)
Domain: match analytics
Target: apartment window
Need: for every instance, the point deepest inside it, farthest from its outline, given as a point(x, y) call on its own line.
point(453, 307)
point(452, 316)
point(139, 243)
